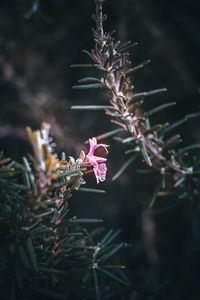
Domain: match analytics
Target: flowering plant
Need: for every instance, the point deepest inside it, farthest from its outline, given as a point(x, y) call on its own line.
point(47, 251)
point(42, 241)
point(158, 151)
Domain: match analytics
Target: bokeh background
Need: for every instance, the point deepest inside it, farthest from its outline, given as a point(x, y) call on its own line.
point(39, 40)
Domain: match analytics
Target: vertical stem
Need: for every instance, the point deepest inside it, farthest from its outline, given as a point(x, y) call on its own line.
point(99, 21)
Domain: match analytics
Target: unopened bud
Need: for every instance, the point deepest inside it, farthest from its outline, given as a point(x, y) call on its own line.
point(82, 155)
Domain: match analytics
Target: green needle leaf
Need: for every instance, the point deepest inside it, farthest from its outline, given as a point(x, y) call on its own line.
point(153, 197)
point(128, 47)
point(85, 220)
point(128, 140)
point(88, 86)
point(24, 256)
point(189, 148)
point(159, 108)
point(91, 190)
point(144, 153)
point(111, 275)
point(83, 66)
point(146, 94)
point(176, 124)
point(111, 238)
point(92, 107)
point(111, 253)
point(71, 172)
point(96, 282)
point(171, 142)
point(140, 66)
point(31, 253)
point(152, 129)
point(106, 237)
point(86, 79)
point(125, 166)
point(123, 45)
point(52, 270)
point(107, 134)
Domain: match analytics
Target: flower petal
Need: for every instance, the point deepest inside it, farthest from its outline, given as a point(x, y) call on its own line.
point(101, 145)
point(99, 159)
point(97, 162)
point(93, 143)
point(100, 172)
point(94, 146)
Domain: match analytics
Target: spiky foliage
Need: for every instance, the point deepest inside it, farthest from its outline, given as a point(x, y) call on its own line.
point(45, 252)
point(153, 143)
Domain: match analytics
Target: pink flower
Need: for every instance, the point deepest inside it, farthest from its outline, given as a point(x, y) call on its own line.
point(97, 162)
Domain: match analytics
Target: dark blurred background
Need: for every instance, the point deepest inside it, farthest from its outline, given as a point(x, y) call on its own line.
point(39, 40)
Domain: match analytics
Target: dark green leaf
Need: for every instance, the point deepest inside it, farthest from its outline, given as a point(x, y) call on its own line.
point(40, 229)
point(174, 125)
point(107, 134)
point(111, 253)
point(114, 267)
point(153, 197)
point(85, 220)
point(140, 66)
point(121, 103)
point(146, 94)
point(128, 47)
point(24, 256)
point(96, 282)
point(152, 129)
point(89, 79)
point(171, 142)
point(89, 54)
point(31, 252)
point(52, 270)
point(91, 107)
point(88, 86)
point(189, 148)
point(46, 213)
point(106, 237)
point(128, 139)
point(125, 166)
point(83, 66)
point(158, 108)
point(123, 66)
point(71, 172)
point(111, 275)
point(91, 190)
point(110, 238)
point(123, 45)
point(144, 153)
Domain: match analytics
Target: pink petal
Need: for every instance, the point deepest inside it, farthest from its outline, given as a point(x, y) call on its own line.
point(100, 172)
point(97, 162)
point(91, 161)
point(94, 146)
point(99, 159)
point(101, 145)
point(93, 143)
